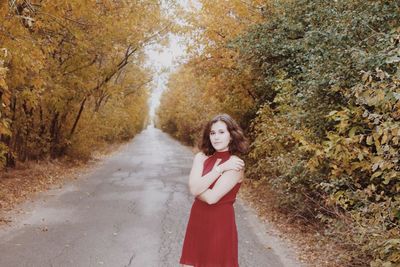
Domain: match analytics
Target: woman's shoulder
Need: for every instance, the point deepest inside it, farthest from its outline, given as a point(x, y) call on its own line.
point(200, 156)
point(235, 156)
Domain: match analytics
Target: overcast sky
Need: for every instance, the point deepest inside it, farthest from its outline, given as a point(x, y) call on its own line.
point(159, 60)
point(166, 58)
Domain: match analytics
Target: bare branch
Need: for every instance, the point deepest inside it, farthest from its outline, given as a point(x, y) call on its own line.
point(84, 66)
point(137, 87)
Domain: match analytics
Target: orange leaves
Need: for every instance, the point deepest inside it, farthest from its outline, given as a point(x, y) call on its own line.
point(75, 57)
point(3, 74)
point(212, 80)
point(223, 20)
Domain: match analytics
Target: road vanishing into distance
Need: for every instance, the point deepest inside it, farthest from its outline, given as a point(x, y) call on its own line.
point(130, 210)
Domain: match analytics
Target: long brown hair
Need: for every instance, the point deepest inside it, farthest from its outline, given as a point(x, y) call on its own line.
point(238, 144)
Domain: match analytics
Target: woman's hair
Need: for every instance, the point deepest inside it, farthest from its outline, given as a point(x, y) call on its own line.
point(238, 144)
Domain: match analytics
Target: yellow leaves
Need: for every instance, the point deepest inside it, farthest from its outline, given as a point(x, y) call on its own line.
point(349, 155)
point(381, 167)
point(354, 129)
point(314, 162)
point(3, 73)
point(5, 99)
point(395, 140)
point(341, 198)
point(3, 84)
point(37, 82)
point(369, 140)
point(318, 156)
point(378, 160)
point(212, 74)
point(395, 131)
point(5, 128)
point(29, 97)
point(391, 175)
point(300, 138)
point(385, 137)
point(378, 145)
point(376, 174)
point(76, 52)
point(363, 165)
point(377, 98)
point(218, 21)
point(366, 77)
point(342, 116)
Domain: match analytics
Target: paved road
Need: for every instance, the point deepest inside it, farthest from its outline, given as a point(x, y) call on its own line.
point(131, 210)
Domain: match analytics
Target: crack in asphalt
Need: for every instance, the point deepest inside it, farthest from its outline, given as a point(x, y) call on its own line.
point(131, 259)
point(141, 196)
point(165, 237)
point(64, 248)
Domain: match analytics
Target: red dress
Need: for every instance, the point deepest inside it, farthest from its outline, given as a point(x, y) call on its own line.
point(211, 238)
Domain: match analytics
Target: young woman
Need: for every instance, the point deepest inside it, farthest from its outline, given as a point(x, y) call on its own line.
point(215, 178)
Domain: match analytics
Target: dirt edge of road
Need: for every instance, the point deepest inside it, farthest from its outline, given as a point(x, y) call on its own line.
point(24, 182)
point(271, 238)
point(308, 243)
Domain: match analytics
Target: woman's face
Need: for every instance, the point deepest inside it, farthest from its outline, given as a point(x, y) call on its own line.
point(220, 136)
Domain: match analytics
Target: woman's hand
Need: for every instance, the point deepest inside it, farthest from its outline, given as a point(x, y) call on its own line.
point(233, 163)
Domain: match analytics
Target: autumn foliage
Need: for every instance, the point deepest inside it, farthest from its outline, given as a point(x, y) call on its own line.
point(316, 85)
point(72, 75)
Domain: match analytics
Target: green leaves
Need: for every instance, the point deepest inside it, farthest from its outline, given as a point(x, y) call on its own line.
point(338, 100)
point(317, 84)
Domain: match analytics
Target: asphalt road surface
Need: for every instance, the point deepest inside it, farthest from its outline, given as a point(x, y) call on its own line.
point(131, 210)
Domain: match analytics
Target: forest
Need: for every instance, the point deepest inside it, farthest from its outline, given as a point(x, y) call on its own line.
point(314, 84)
point(316, 87)
point(72, 75)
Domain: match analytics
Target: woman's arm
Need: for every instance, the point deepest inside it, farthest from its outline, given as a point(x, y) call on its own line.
point(225, 183)
point(198, 183)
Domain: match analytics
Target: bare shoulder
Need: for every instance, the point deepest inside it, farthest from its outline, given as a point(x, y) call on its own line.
point(200, 156)
point(239, 175)
point(236, 157)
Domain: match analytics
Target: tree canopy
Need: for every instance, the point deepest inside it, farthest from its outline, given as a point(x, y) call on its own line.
point(315, 85)
point(72, 75)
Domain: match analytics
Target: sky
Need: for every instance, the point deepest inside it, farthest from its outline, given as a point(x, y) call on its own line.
point(169, 58)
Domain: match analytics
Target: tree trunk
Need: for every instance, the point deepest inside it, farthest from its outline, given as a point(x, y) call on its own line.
point(77, 118)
